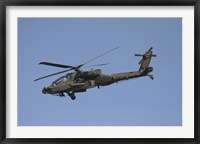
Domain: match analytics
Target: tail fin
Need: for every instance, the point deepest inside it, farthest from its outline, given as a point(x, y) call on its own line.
point(145, 61)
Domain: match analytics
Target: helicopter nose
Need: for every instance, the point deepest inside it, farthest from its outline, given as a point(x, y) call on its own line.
point(44, 90)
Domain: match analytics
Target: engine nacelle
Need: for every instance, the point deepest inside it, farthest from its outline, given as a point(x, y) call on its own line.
point(89, 74)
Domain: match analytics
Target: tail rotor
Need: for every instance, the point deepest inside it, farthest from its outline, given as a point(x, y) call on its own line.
point(146, 55)
point(145, 61)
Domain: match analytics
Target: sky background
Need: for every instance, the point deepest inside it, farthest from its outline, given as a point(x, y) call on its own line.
point(72, 41)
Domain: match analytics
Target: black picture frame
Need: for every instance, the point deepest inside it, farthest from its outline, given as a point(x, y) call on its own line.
point(4, 3)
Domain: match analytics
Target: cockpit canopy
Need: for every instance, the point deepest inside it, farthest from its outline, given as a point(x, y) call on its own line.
point(71, 76)
point(63, 79)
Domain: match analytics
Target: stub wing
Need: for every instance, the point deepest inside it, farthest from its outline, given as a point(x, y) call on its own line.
point(77, 84)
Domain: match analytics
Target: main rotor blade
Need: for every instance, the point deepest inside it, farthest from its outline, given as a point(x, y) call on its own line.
point(76, 68)
point(101, 55)
point(52, 74)
point(54, 64)
point(98, 65)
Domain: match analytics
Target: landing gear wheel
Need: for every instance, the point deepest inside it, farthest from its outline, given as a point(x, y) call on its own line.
point(73, 97)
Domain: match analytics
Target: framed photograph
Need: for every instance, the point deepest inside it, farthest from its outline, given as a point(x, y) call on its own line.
point(99, 71)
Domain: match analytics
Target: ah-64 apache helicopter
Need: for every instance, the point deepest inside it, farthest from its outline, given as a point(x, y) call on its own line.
point(80, 81)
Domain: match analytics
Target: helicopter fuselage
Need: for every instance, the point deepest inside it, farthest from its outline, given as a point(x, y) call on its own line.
point(76, 82)
point(80, 81)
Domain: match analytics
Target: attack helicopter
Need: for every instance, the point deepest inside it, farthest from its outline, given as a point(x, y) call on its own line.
point(79, 80)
